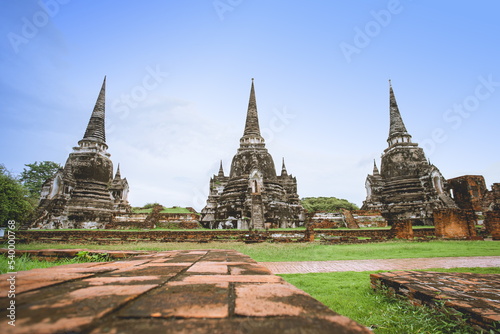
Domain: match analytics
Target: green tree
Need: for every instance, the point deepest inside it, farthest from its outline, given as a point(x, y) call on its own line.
point(328, 204)
point(36, 174)
point(15, 202)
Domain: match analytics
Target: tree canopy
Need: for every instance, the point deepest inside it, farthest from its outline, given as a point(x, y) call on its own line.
point(328, 204)
point(15, 202)
point(36, 174)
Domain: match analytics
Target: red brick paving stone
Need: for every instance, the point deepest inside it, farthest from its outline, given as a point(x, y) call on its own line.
point(271, 300)
point(493, 317)
point(70, 311)
point(218, 256)
point(275, 325)
point(31, 280)
point(275, 299)
point(83, 265)
point(163, 255)
point(476, 295)
point(208, 267)
point(197, 252)
point(233, 279)
point(162, 269)
point(99, 267)
point(124, 280)
point(121, 264)
point(248, 269)
point(185, 258)
point(160, 260)
point(180, 299)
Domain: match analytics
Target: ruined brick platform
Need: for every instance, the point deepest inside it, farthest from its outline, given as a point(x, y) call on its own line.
point(57, 254)
point(196, 291)
point(475, 295)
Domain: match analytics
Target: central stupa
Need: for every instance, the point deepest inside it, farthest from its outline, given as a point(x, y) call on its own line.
point(253, 195)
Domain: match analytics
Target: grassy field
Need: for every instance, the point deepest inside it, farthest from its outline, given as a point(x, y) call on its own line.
point(278, 252)
point(349, 294)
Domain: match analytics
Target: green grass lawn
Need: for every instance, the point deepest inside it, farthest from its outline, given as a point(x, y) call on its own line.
point(350, 294)
point(279, 252)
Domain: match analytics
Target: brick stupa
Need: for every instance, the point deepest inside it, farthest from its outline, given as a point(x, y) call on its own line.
point(253, 194)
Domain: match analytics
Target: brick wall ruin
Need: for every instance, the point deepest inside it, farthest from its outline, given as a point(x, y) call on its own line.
point(402, 229)
point(155, 219)
point(455, 224)
point(468, 191)
point(118, 237)
point(492, 224)
point(346, 218)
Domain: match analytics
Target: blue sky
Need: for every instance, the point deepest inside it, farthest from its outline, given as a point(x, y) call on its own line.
point(179, 74)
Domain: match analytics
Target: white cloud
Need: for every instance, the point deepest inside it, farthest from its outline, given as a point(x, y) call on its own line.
point(168, 149)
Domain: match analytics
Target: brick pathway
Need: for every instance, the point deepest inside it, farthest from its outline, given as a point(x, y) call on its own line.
point(388, 264)
point(475, 295)
point(194, 291)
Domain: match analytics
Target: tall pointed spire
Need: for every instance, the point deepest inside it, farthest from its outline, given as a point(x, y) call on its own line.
point(118, 175)
point(283, 169)
point(251, 135)
point(252, 123)
point(96, 129)
point(375, 168)
point(397, 128)
point(221, 171)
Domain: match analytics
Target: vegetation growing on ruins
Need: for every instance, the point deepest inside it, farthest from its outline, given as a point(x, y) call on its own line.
point(327, 204)
point(148, 208)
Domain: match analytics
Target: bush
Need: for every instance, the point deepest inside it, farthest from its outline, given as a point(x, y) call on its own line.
point(328, 204)
point(151, 205)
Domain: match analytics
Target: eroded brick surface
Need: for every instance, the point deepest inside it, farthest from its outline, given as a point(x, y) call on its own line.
point(200, 291)
point(475, 295)
point(181, 299)
point(454, 224)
